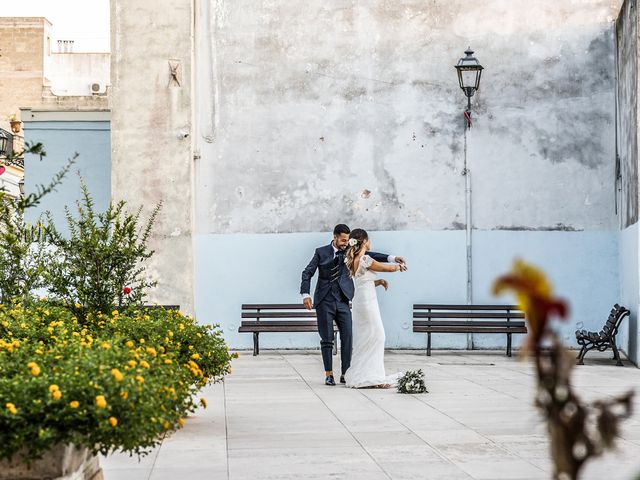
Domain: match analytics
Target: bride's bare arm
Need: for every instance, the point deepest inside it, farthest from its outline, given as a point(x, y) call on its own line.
point(386, 267)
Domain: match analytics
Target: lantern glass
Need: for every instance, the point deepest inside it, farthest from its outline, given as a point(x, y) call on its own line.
point(4, 141)
point(469, 73)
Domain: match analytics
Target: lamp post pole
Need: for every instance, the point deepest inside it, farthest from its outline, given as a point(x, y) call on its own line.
point(469, 72)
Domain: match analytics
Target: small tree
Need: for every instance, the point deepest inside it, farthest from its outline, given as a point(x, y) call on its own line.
point(99, 264)
point(23, 249)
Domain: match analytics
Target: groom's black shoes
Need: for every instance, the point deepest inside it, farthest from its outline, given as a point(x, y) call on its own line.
point(329, 380)
point(342, 380)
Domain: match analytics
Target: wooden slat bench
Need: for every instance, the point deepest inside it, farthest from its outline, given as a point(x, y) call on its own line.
point(279, 317)
point(605, 338)
point(441, 318)
point(166, 307)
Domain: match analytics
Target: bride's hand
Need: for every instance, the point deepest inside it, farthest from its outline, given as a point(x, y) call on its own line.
point(384, 283)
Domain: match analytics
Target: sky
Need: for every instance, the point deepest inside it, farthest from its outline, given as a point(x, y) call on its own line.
point(84, 21)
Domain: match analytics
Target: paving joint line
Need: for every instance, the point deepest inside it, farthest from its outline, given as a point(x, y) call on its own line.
point(505, 450)
point(226, 425)
point(153, 465)
point(339, 421)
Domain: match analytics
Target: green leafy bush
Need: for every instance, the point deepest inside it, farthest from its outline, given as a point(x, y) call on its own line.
point(24, 255)
point(99, 264)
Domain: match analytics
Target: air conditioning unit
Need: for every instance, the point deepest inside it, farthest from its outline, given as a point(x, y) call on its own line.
point(98, 88)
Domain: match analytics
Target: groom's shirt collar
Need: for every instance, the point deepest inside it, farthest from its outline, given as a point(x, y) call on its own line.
point(335, 250)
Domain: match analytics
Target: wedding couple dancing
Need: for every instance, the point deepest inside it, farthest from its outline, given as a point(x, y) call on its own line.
point(340, 265)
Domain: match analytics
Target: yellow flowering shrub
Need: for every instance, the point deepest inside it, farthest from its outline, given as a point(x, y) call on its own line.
point(174, 337)
point(58, 383)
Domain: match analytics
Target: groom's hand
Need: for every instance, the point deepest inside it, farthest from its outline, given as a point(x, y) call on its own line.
point(308, 303)
point(401, 261)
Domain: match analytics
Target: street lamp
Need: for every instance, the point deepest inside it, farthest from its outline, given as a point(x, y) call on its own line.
point(21, 186)
point(4, 142)
point(469, 73)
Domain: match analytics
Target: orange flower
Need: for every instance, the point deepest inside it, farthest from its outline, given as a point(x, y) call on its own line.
point(33, 368)
point(534, 295)
point(113, 421)
point(101, 402)
point(117, 375)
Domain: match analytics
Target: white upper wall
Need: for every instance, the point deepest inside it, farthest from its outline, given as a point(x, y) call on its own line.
point(72, 74)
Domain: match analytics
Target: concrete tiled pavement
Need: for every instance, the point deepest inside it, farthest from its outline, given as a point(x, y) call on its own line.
point(275, 419)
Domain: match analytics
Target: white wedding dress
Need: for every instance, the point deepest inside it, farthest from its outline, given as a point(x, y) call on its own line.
point(367, 362)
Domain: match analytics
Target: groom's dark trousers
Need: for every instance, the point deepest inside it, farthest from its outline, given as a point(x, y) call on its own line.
point(333, 293)
point(335, 307)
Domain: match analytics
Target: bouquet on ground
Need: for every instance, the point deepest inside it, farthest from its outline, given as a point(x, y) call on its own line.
point(412, 382)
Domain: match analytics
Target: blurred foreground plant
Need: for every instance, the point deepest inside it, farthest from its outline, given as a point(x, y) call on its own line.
point(578, 430)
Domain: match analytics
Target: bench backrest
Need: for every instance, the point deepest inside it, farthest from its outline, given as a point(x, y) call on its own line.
point(265, 311)
point(441, 311)
point(612, 324)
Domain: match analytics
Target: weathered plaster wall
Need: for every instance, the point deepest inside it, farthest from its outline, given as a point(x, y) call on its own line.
point(151, 156)
point(305, 107)
point(627, 70)
point(314, 113)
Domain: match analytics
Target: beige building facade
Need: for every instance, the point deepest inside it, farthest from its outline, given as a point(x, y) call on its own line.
point(34, 74)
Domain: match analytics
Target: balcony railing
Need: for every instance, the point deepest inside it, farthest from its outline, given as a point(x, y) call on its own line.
point(15, 144)
point(16, 162)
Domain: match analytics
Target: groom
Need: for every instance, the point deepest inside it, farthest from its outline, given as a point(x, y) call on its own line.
point(334, 291)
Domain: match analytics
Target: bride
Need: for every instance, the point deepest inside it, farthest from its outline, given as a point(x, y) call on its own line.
point(367, 364)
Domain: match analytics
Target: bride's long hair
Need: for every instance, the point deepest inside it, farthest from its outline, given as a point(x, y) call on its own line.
point(357, 239)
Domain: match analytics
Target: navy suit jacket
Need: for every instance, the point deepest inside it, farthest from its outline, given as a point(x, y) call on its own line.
point(323, 261)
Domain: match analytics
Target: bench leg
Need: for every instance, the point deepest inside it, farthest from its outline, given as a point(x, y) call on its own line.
point(256, 344)
point(581, 355)
point(583, 352)
point(616, 353)
point(335, 343)
point(508, 344)
point(428, 344)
